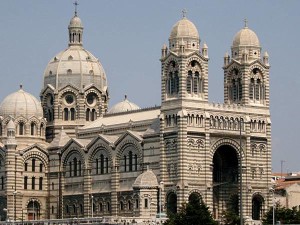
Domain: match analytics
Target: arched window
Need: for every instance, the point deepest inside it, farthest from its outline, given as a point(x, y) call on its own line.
point(52, 186)
point(41, 183)
point(251, 89)
point(52, 209)
point(146, 203)
point(32, 129)
point(100, 207)
point(176, 80)
point(97, 166)
point(41, 167)
point(81, 208)
point(106, 162)
point(33, 165)
point(70, 169)
point(130, 161)
point(79, 168)
point(21, 128)
point(42, 130)
point(94, 115)
point(196, 83)
point(135, 162)
point(87, 115)
point(136, 203)
point(257, 203)
point(33, 183)
point(129, 205)
point(121, 206)
point(66, 114)
point(72, 114)
point(102, 163)
point(69, 71)
point(189, 83)
point(25, 182)
point(75, 167)
point(125, 163)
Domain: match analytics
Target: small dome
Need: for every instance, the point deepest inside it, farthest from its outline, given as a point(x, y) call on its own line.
point(245, 37)
point(184, 28)
point(75, 22)
point(21, 103)
point(124, 106)
point(146, 180)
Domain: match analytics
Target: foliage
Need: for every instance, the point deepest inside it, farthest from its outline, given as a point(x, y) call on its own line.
point(282, 214)
point(231, 218)
point(193, 213)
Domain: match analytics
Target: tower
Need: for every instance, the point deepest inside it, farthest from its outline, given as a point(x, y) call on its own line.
point(75, 86)
point(184, 85)
point(246, 74)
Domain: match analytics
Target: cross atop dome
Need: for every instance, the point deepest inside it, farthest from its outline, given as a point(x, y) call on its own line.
point(184, 12)
point(246, 23)
point(76, 4)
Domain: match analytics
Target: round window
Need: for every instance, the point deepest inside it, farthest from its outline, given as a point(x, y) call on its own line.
point(91, 99)
point(69, 99)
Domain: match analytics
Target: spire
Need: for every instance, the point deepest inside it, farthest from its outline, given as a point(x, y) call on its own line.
point(75, 28)
point(246, 23)
point(184, 12)
point(75, 4)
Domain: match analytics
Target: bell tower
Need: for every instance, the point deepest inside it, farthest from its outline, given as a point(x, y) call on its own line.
point(184, 66)
point(246, 73)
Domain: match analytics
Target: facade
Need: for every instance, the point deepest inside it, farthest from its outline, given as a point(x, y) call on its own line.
point(70, 156)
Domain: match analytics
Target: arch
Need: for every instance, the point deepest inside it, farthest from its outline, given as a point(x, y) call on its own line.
point(125, 158)
point(171, 203)
point(257, 206)
point(195, 196)
point(21, 128)
point(94, 159)
point(229, 142)
point(70, 154)
point(33, 209)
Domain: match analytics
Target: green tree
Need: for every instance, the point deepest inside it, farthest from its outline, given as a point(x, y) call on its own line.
point(282, 214)
point(193, 213)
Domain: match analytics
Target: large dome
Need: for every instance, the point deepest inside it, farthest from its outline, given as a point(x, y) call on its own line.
point(184, 28)
point(124, 106)
point(75, 66)
point(21, 103)
point(245, 37)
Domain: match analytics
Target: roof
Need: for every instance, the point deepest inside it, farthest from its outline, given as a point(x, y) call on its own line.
point(60, 140)
point(124, 106)
point(245, 37)
point(184, 28)
point(122, 118)
point(146, 180)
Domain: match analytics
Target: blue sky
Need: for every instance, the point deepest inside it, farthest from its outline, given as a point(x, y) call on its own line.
point(127, 37)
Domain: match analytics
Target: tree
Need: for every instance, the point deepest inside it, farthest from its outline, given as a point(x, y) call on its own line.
point(193, 213)
point(282, 214)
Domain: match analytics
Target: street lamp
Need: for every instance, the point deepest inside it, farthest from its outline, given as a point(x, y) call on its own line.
point(161, 185)
point(92, 206)
point(272, 190)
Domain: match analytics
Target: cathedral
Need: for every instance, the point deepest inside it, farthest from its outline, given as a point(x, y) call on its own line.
point(69, 155)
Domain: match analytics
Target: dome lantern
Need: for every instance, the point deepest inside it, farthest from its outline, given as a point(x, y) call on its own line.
point(75, 29)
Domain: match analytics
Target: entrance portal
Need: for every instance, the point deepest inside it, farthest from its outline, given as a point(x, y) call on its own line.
point(33, 210)
point(225, 179)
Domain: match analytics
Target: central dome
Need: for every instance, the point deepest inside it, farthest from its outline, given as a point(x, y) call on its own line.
point(21, 103)
point(184, 28)
point(75, 65)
